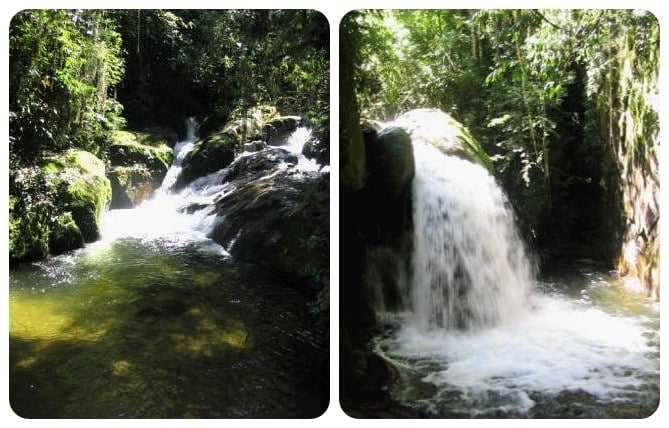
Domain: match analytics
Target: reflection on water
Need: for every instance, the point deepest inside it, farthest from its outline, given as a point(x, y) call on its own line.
point(136, 330)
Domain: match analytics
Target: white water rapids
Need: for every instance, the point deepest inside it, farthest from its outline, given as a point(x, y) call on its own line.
point(477, 335)
point(164, 215)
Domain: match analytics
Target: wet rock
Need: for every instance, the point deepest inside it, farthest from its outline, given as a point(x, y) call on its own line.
point(254, 146)
point(390, 163)
point(139, 162)
point(277, 130)
point(130, 185)
point(86, 189)
point(281, 222)
point(209, 155)
point(253, 166)
point(65, 235)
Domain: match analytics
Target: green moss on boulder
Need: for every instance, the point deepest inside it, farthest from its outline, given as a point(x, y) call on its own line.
point(435, 127)
point(130, 185)
point(129, 148)
point(209, 155)
point(85, 190)
point(28, 233)
point(65, 234)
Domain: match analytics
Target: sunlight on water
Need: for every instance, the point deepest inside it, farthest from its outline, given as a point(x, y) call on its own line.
point(156, 320)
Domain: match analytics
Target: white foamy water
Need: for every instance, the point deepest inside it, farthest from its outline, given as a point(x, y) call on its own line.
point(557, 346)
point(188, 215)
point(469, 266)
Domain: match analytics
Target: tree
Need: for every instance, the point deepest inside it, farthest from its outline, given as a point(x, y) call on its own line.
point(63, 65)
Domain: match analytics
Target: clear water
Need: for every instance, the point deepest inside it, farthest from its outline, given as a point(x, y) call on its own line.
point(157, 321)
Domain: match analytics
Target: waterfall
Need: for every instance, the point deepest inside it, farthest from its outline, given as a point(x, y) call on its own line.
point(478, 334)
point(165, 215)
point(188, 215)
point(469, 269)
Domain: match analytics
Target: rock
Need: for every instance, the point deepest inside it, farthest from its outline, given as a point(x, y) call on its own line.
point(65, 235)
point(254, 146)
point(258, 164)
point(435, 127)
point(87, 189)
point(28, 233)
point(132, 148)
point(130, 185)
point(139, 162)
point(59, 207)
point(209, 155)
point(390, 163)
point(277, 130)
point(281, 222)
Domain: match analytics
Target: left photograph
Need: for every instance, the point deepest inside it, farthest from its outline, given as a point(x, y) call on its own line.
point(169, 206)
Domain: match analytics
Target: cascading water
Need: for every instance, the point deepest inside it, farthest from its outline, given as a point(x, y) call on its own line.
point(156, 320)
point(176, 225)
point(469, 267)
point(479, 336)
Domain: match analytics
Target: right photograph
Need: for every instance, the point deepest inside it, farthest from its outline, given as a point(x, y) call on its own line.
point(499, 214)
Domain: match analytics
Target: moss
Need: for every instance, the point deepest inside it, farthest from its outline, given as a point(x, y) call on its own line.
point(209, 155)
point(86, 191)
point(130, 185)
point(65, 235)
point(28, 236)
point(133, 147)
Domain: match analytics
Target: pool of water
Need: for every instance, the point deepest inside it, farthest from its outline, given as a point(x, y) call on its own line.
point(139, 329)
point(584, 348)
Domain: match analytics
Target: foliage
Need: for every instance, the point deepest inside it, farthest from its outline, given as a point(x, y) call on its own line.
point(564, 101)
point(218, 63)
point(62, 66)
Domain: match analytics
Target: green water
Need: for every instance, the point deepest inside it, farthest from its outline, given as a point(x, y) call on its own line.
point(142, 330)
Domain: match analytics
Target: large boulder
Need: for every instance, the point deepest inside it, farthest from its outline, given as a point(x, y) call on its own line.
point(279, 220)
point(215, 152)
point(390, 163)
point(432, 126)
point(249, 133)
point(139, 162)
point(130, 185)
point(85, 190)
point(56, 206)
point(276, 131)
point(130, 148)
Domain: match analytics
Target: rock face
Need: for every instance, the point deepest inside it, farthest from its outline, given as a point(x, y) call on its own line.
point(67, 197)
point(276, 130)
point(276, 217)
point(435, 127)
point(390, 163)
point(209, 155)
point(139, 162)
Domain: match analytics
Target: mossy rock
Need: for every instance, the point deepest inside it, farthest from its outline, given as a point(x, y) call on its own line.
point(390, 163)
point(130, 148)
point(278, 129)
point(28, 235)
point(65, 235)
point(432, 126)
point(209, 155)
point(87, 191)
point(281, 222)
point(131, 185)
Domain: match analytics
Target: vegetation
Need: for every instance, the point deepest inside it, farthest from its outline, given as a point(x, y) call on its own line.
point(77, 77)
point(564, 101)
